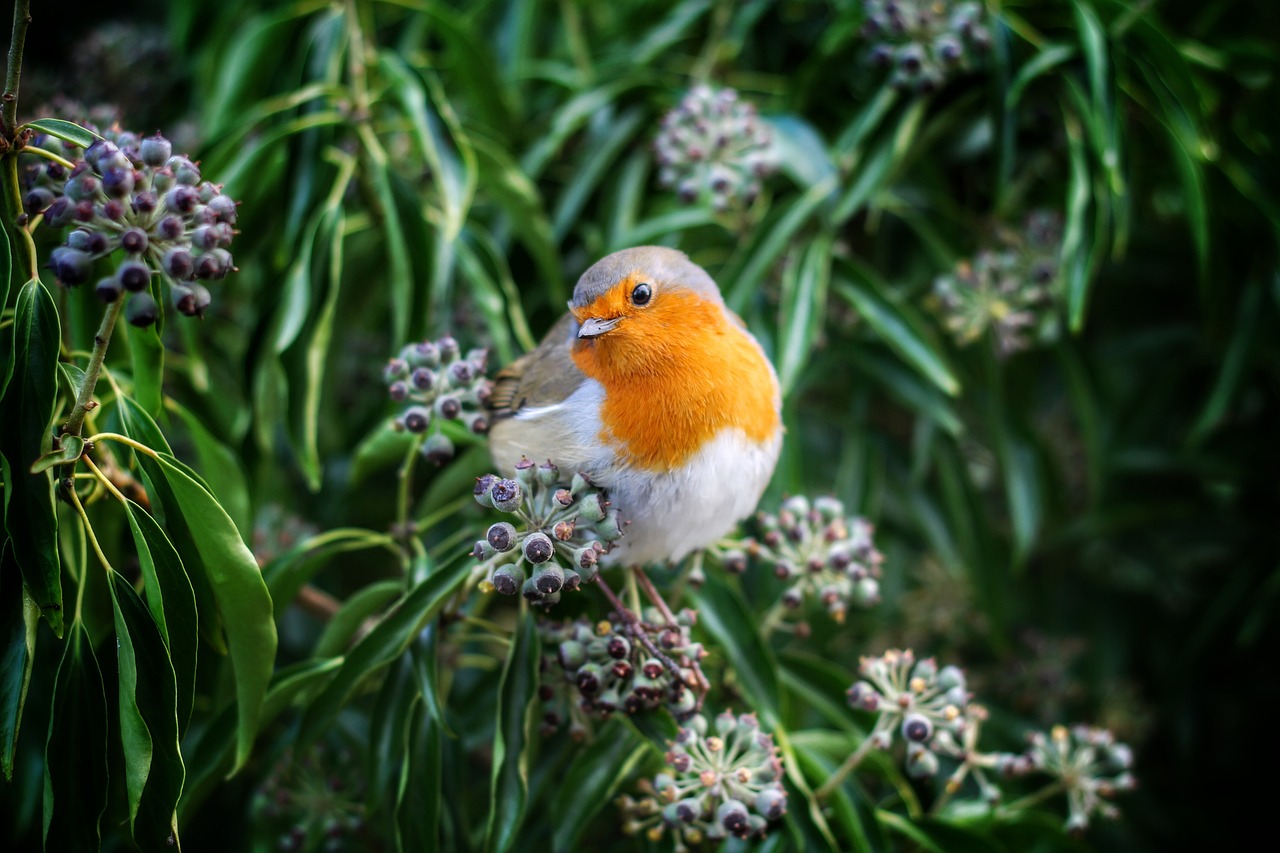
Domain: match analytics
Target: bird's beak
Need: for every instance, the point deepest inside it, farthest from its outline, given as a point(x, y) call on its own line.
point(594, 327)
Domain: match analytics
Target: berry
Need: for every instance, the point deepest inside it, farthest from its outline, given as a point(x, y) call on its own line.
point(71, 266)
point(134, 275)
point(155, 150)
point(142, 310)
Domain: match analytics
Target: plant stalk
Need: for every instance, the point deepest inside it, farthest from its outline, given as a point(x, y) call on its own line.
point(9, 107)
point(842, 772)
point(84, 396)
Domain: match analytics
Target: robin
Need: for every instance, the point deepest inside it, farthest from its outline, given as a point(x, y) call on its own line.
point(655, 391)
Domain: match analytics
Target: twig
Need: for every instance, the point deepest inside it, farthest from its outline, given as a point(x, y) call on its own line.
point(9, 110)
point(84, 397)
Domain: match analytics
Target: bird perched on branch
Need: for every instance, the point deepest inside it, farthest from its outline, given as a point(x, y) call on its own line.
point(655, 391)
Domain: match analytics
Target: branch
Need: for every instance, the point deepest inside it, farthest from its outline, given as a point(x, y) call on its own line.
point(9, 109)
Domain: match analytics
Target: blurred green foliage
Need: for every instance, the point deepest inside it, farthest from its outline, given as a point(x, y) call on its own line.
point(1086, 524)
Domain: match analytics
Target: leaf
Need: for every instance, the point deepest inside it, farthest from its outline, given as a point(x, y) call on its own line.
point(382, 645)
point(154, 772)
point(146, 352)
point(70, 448)
point(354, 611)
point(599, 770)
point(219, 467)
point(897, 328)
point(29, 515)
point(747, 277)
point(804, 302)
point(799, 149)
point(723, 614)
point(75, 753)
point(6, 273)
point(1022, 484)
point(19, 618)
point(238, 588)
point(417, 807)
point(172, 603)
point(1074, 250)
point(512, 742)
point(65, 130)
point(600, 151)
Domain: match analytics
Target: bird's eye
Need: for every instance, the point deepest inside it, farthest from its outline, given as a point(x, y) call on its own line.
point(642, 294)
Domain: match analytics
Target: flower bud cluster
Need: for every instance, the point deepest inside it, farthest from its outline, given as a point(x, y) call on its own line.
point(133, 199)
point(1009, 290)
point(923, 41)
point(818, 551)
point(314, 802)
point(436, 383)
point(558, 536)
point(713, 147)
point(1089, 763)
point(593, 670)
point(725, 779)
point(913, 699)
point(930, 708)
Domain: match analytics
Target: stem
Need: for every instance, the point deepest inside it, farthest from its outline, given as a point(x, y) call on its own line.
point(1032, 799)
point(9, 111)
point(102, 478)
point(100, 342)
point(652, 593)
point(88, 529)
point(850, 764)
point(49, 155)
point(772, 619)
point(123, 439)
point(405, 478)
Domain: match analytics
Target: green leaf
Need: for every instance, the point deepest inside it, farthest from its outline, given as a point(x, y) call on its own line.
point(746, 278)
point(599, 770)
point(1074, 240)
point(154, 772)
point(1022, 484)
point(25, 436)
point(723, 614)
point(146, 352)
point(360, 606)
point(799, 149)
point(75, 753)
point(172, 603)
point(512, 742)
point(804, 302)
point(69, 450)
point(898, 327)
point(65, 130)
point(238, 588)
point(19, 618)
point(382, 645)
point(421, 789)
point(6, 273)
point(219, 467)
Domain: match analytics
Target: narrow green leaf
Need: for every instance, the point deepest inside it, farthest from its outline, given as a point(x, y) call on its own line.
point(424, 655)
point(75, 753)
point(25, 436)
point(382, 645)
point(1022, 485)
point(240, 593)
point(723, 614)
point(19, 618)
point(421, 789)
point(663, 226)
point(512, 742)
point(219, 467)
point(212, 756)
point(1074, 250)
point(65, 130)
point(6, 273)
point(601, 770)
point(899, 329)
point(746, 279)
point(358, 607)
point(1229, 376)
point(803, 308)
point(673, 27)
point(172, 603)
point(799, 149)
point(146, 352)
point(154, 772)
point(600, 152)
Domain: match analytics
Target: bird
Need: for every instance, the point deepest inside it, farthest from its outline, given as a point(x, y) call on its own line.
point(656, 392)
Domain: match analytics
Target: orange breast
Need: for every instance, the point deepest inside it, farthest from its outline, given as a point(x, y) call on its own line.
point(676, 375)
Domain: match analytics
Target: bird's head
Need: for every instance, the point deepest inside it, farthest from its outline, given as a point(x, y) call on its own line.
point(638, 308)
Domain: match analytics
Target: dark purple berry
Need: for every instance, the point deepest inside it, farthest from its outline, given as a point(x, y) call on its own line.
point(118, 182)
point(134, 241)
point(171, 228)
point(59, 213)
point(144, 202)
point(178, 263)
point(134, 276)
point(37, 201)
point(142, 310)
point(108, 289)
point(417, 419)
point(224, 208)
point(181, 199)
point(71, 266)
